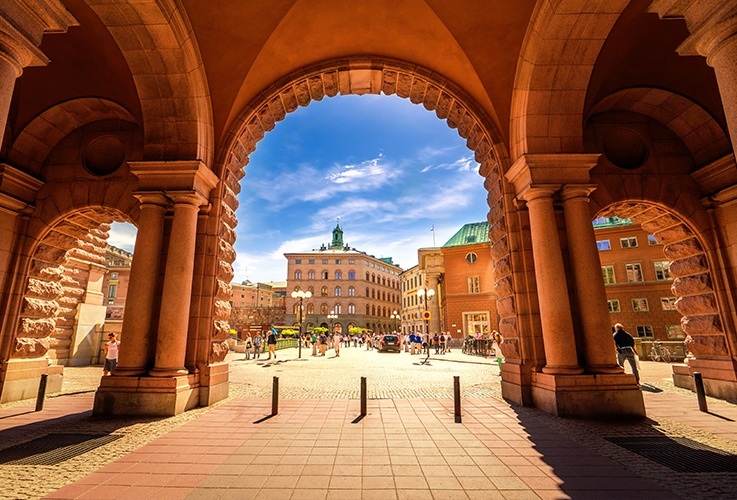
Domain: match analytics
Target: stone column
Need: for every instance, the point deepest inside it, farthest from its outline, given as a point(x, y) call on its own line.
point(552, 291)
point(171, 343)
point(586, 267)
point(137, 335)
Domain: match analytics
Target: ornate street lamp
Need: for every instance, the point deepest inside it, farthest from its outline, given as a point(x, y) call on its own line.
point(299, 294)
point(424, 295)
point(332, 317)
point(395, 316)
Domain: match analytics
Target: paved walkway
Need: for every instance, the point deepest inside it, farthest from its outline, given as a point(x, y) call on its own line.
point(406, 447)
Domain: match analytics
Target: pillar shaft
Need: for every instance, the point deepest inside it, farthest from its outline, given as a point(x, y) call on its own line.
point(590, 292)
point(9, 71)
point(724, 62)
point(171, 343)
point(137, 335)
point(555, 312)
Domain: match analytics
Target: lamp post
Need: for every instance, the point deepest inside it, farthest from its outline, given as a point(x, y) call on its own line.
point(299, 294)
point(424, 295)
point(395, 316)
point(332, 317)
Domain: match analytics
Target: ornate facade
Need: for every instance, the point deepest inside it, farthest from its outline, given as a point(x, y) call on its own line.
point(575, 109)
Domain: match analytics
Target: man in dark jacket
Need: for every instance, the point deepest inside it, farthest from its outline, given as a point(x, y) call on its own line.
point(625, 349)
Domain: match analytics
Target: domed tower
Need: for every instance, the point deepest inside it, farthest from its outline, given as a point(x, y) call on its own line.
point(337, 237)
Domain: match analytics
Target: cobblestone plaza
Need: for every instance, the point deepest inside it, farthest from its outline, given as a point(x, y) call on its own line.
point(407, 447)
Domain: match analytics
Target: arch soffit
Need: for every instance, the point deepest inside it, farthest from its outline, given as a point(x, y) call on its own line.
point(156, 39)
point(34, 143)
point(557, 58)
point(698, 130)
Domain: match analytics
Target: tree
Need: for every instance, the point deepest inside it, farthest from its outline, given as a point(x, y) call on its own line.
point(319, 330)
point(354, 330)
point(288, 332)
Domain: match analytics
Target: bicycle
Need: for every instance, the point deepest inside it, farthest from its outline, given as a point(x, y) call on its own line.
point(659, 352)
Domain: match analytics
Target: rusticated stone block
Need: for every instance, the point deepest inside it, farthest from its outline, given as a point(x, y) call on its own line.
point(503, 287)
point(432, 94)
point(230, 198)
point(483, 149)
point(690, 265)
point(499, 249)
point(474, 136)
point(502, 268)
point(227, 233)
point(466, 124)
point(389, 82)
point(86, 256)
point(692, 285)
point(227, 253)
point(228, 215)
point(497, 229)
point(661, 222)
point(417, 94)
point(43, 289)
point(40, 269)
point(443, 108)
point(708, 346)
point(455, 115)
point(707, 324)
point(302, 91)
point(673, 235)
point(36, 327)
point(682, 249)
point(31, 347)
point(59, 240)
point(694, 305)
point(289, 99)
point(218, 352)
point(225, 271)
point(50, 254)
point(276, 107)
point(505, 306)
point(317, 91)
point(255, 129)
point(33, 307)
point(222, 329)
point(627, 210)
point(222, 309)
point(510, 347)
point(330, 83)
point(265, 118)
point(404, 85)
point(224, 290)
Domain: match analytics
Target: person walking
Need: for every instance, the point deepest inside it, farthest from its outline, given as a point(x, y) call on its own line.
point(337, 339)
point(436, 343)
point(313, 338)
point(271, 342)
point(625, 349)
point(448, 341)
point(257, 341)
point(496, 343)
point(323, 344)
point(249, 346)
point(111, 354)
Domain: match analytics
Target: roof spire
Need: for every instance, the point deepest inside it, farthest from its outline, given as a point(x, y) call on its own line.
point(337, 236)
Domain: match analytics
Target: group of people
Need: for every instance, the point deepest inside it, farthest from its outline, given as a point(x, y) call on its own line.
point(254, 344)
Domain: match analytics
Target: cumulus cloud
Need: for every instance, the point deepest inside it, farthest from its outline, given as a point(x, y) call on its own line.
point(122, 235)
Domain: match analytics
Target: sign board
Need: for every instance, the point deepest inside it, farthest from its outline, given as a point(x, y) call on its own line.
point(426, 315)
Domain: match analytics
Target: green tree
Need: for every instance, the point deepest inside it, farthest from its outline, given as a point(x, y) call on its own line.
point(287, 332)
point(319, 330)
point(354, 330)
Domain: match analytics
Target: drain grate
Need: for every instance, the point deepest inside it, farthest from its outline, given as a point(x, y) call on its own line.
point(679, 454)
point(53, 449)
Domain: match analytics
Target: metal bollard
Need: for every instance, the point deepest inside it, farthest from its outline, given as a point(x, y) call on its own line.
point(457, 398)
point(700, 392)
point(275, 397)
point(363, 397)
point(41, 392)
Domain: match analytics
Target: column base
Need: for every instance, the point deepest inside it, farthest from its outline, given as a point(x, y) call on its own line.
point(587, 396)
point(19, 378)
point(516, 383)
point(562, 370)
point(148, 396)
point(720, 377)
point(168, 372)
point(215, 384)
point(607, 369)
point(129, 372)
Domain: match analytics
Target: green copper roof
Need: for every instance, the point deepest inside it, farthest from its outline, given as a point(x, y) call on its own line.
point(604, 222)
point(470, 234)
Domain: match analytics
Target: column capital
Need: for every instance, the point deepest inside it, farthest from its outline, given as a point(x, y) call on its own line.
point(174, 176)
point(550, 169)
point(192, 198)
point(535, 192)
point(152, 198)
point(571, 191)
point(711, 23)
point(22, 28)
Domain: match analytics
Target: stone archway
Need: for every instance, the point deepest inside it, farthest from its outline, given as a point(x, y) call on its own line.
point(363, 75)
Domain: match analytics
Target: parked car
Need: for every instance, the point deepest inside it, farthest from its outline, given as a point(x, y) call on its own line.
point(389, 343)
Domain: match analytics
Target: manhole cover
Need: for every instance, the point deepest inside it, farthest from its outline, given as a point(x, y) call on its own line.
point(54, 449)
point(679, 454)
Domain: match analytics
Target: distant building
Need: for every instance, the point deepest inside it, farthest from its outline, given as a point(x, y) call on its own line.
point(637, 279)
point(115, 282)
point(362, 290)
point(256, 304)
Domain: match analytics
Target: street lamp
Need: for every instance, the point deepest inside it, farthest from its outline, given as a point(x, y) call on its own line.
point(395, 316)
point(332, 317)
point(299, 294)
point(424, 295)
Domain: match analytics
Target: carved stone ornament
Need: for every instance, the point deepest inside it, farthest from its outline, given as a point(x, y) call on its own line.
point(219, 351)
point(31, 348)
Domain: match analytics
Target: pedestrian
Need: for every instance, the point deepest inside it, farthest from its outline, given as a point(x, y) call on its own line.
point(626, 349)
point(496, 342)
point(313, 338)
point(442, 343)
point(112, 346)
point(257, 341)
point(337, 339)
point(448, 341)
point(323, 344)
point(436, 342)
point(249, 345)
point(271, 342)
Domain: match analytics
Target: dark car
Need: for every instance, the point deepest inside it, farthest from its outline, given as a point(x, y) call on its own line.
point(389, 343)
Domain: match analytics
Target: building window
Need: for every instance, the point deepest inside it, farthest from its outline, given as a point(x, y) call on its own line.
point(112, 291)
point(634, 273)
point(338, 291)
point(675, 332)
point(324, 275)
point(310, 275)
point(114, 276)
point(324, 309)
point(295, 309)
point(476, 322)
point(298, 275)
point(351, 275)
point(471, 257)
point(338, 275)
point(630, 242)
point(111, 302)
point(337, 261)
point(338, 309)
point(652, 241)
point(351, 291)
point(473, 284)
point(644, 330)
point(668, 303)
point(662, 270)
point(640, 305)
point(607, 273)
point(310, 308)
point(324, 261)
point(351, 308)
point(311, 261)
point(297, 261)
point(324, 291)
point(613, 306)
point(603, 245)
point(351, 261)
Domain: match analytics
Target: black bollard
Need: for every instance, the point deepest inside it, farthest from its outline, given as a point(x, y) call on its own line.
point(457, 398)
point(41, 392)
point(275, 397)
point(700, 393)
point(363, 397)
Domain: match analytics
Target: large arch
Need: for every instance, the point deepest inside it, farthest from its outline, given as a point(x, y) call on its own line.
point(362, 75)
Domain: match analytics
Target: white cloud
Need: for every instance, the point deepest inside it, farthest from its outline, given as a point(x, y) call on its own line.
point(122, 235)
point(464, 164)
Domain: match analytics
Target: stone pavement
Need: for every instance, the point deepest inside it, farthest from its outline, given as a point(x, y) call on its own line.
point(406, 447)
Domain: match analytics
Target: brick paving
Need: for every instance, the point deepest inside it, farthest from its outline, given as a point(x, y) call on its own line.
point(406, 447)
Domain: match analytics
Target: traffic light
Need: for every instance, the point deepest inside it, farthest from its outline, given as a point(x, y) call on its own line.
point(426, 315)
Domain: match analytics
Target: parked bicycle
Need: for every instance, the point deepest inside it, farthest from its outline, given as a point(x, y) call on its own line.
point(658, 352)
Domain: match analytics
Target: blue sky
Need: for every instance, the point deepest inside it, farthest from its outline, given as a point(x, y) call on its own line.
point(389, 169)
